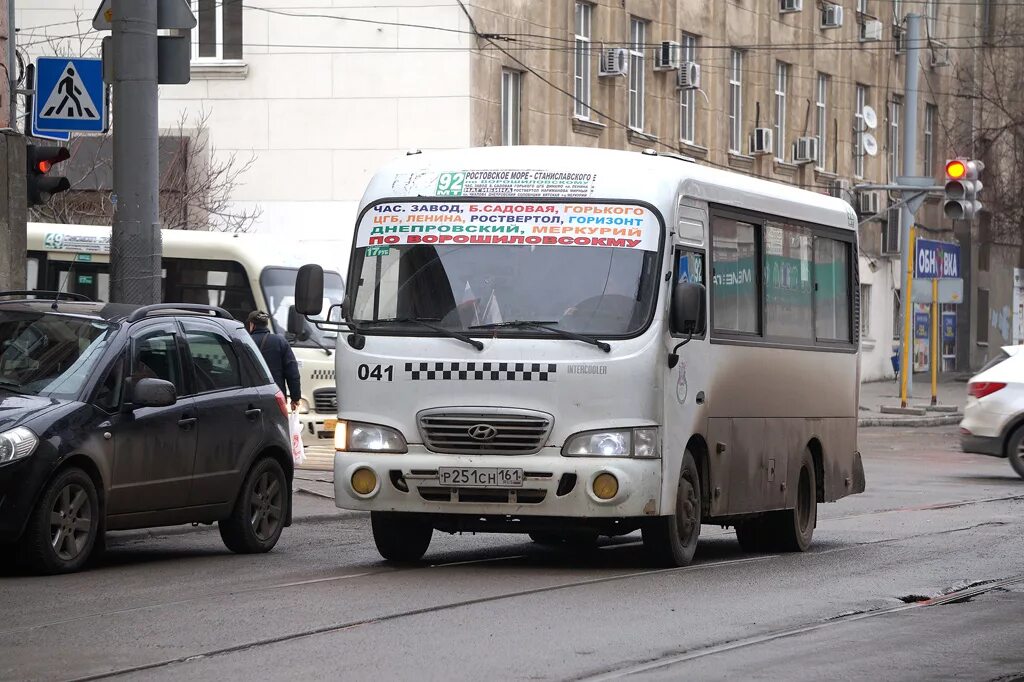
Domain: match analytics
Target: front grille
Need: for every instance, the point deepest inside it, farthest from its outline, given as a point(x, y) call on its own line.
point(475, 432)
point(483, 495)
point(325, 401)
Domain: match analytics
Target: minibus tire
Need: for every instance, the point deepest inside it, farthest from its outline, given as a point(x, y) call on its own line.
point(791, 530)
point(664, 536)
point(750, 535)
point(400, 537)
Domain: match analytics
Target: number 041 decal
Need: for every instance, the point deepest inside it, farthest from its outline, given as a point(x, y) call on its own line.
point(375, 373)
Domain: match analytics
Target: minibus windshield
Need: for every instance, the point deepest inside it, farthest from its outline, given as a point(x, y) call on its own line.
point(491, 268)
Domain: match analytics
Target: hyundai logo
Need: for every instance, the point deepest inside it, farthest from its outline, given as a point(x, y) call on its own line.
point(483, 432)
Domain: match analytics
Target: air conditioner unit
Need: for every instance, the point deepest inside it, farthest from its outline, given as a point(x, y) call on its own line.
point(805, 150)
point(868, 203)
point(791, 5)
point(939, 54)
point(667, 57)
point(871, 30)
point(761, 141)
point(831, 16)
point(688, 76)
point(839, 188)
point(899, 39)
point(614, 62)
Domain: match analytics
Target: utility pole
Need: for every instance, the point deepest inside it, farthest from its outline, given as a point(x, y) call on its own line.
point(11, 66)
point(135, 247)
point(907, 229)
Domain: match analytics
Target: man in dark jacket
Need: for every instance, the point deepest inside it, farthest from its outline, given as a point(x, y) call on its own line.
point(278, 354)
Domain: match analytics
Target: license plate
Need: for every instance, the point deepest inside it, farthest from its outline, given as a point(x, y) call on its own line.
point(330, 424)
point(472, 477)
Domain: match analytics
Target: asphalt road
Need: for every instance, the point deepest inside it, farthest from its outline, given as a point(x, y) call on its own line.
point(866, 602)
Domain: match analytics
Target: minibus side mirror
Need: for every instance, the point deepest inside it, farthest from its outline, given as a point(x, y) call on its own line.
point(297, 324)
point(687, 314)
point(309, 290)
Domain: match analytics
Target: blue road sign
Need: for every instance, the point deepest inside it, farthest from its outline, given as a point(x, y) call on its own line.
point(48, 135)
point(69, 95)
point(936, 260)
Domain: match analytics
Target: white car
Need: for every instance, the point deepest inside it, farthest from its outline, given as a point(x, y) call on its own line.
point(993, 422)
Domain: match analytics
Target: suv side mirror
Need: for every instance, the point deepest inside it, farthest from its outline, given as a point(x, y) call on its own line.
point(153, 393)
point(687, 313)
point(297, 324)
point(309, 290)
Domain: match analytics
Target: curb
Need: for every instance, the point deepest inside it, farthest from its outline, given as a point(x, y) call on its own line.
point(946, 420)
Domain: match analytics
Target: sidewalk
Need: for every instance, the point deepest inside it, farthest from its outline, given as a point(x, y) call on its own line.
point(952, 396)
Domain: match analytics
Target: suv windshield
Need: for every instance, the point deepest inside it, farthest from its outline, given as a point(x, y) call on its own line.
point(279, 291)
point(492, 268)
point(48, 354)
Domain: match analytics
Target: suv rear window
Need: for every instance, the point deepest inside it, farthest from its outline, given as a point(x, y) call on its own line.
point(1003, 355)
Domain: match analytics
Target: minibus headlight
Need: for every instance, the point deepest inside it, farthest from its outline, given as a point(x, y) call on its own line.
point(638, 442)
point(360, 437)
point(17, 443)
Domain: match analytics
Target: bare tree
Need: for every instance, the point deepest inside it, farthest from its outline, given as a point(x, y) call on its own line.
point(991, 81)
point(196, 182)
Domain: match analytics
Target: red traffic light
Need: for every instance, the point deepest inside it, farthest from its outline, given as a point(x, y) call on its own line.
point(44, 166)
point(956, 169)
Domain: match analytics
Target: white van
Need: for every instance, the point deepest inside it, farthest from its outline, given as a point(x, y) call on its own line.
point(573, 342)
point(239, 273)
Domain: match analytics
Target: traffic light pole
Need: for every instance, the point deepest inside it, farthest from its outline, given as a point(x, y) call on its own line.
point(135, 247)
point(913, 69)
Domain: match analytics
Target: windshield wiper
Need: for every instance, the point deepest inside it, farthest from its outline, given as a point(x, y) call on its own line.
point(424, 323)
point(11, 386)
point(542, 324)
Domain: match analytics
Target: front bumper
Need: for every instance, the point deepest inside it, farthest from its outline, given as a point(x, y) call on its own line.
point(982, 445)
point(20, 482)
point(553, 486)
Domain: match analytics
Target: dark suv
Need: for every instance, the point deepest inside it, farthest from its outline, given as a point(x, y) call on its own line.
point(115, 417)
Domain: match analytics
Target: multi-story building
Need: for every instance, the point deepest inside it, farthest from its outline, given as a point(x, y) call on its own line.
point(806, 93)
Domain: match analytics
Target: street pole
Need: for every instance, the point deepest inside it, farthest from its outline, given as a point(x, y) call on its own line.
point(935, 341)
point(906, 215)
point(12, 68)
point(135, 247)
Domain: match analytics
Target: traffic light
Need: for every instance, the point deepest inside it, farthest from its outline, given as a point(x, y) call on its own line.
point(962, 189)
point(41, 185)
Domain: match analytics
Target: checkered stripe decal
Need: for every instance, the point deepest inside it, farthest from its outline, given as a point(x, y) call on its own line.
point(322, 374)
point(480, 371)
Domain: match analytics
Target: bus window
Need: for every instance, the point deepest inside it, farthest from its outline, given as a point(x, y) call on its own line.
point(831, 289)
point(209, 282)
point(32, 273)
point(734, 276)
point(788, 308)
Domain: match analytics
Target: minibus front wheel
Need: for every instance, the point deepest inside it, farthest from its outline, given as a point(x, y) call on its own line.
point(400, 537)
point(672, 540)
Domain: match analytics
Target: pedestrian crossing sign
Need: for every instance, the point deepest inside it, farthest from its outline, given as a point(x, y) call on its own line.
point(69, 95)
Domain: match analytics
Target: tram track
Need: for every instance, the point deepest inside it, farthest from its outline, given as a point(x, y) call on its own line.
point(622, 544)
point(663, 662)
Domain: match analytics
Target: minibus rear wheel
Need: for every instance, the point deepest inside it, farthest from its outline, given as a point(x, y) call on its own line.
point(791, 530)
point(400, 537)
point(672, 540)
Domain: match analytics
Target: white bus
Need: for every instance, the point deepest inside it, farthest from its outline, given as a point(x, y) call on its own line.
point(240, 273)
point(517, 356)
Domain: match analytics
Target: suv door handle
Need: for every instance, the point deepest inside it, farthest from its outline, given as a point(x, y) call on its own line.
point(186, 422)
point(253, 412)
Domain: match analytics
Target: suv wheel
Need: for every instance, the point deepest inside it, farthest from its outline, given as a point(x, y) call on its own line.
point(62, 529)
point(258, 518)
point(1015, 451)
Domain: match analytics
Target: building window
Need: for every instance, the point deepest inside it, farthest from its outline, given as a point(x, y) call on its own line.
point(511, 95)
point(781, 83)
point(862, 6)
point(982, 317)
point(734, 276)
point(860, 101)
point(931, 15)
point(219, 33)
point(687, 98)
point(736, 101)
point(897, 319)
point(930, 112)
point(638, 36)
point(821, 116)
point(895, 117)
point(865, 311)
point(581, 82)
point(897, 12)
